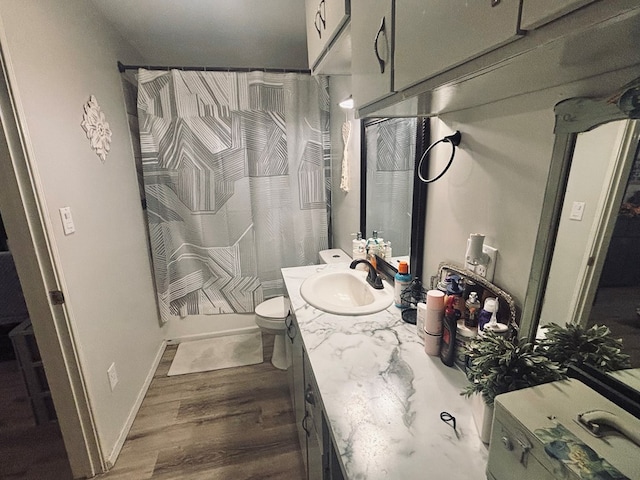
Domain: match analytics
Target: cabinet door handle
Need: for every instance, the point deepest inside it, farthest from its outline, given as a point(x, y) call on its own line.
point(317, 24)
point(291, 331)
point(304, 424)
point(380, 31)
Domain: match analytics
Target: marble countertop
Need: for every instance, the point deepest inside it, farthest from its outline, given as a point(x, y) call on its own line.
point(383, 394)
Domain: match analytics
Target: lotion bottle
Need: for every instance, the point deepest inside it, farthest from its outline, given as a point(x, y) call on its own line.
point(402, 280)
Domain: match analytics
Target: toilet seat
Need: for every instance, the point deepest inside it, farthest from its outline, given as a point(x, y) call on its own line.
point(272, 313)
point(276, 307)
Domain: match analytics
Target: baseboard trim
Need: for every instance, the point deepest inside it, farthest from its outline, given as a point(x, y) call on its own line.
point(202, 336)
point(110, 461)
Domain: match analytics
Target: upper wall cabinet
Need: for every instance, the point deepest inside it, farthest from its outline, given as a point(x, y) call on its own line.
point(536, 13)
point(326, 21)
point(435, 35)
point(372, 50)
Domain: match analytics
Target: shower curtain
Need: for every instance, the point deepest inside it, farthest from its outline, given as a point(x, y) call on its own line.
point(236, 171)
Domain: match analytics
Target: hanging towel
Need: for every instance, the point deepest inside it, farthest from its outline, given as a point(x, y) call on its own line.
point(344, 179)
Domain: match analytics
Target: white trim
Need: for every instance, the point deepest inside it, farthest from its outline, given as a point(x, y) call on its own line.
point(201, 336)
point(110, 461)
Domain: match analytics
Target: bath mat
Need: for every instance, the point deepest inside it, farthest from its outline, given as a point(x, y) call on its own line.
point(216, 353)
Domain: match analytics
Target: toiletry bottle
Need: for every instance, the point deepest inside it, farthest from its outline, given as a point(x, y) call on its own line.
point(401, 282)
point(387, 250)
point(370, 247)
point(375, 246)
point(493, 325)
point(469, 287)
point(443, 282)
point(464, 335)
point(358, 246)
point(449, 329)
point(455, 292)
point(472, 309)
point(486, 313)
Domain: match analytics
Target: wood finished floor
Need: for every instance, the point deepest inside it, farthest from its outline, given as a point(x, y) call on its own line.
point(27, 451)
point(236, 423)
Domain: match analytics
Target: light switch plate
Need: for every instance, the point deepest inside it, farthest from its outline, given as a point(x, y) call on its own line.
point(577, 210)
point(67, 220)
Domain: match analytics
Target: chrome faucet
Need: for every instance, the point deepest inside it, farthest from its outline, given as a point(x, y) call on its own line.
point(373, 278)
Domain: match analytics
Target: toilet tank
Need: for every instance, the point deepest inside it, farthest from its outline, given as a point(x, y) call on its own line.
point(334, 255)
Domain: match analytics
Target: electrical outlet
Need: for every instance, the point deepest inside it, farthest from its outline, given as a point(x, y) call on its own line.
point(491, 266)
point(481, 270)
point(113, 376)
point(485, 271)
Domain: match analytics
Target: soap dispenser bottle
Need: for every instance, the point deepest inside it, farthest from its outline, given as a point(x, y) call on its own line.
point(374, 245)
point(472, 310)
point(359, 245)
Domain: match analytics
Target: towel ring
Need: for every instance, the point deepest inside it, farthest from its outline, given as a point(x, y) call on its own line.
point(454, 140)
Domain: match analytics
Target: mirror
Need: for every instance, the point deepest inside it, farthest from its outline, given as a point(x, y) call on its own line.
point(584, 128)
point(393, 199)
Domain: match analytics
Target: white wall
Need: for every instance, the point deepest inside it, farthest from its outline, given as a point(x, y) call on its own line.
point(495, 186)
point(58, 54)
point(497, 181)
point(345, 206)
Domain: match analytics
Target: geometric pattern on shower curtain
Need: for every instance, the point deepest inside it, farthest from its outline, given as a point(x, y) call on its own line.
point(235, 168)
point(390, 152)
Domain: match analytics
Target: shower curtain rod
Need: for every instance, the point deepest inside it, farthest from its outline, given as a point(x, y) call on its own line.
point(122, 68)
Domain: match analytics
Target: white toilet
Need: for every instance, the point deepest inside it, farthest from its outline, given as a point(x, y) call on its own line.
point(334, 255)
point(270, 317)
point(272, 313)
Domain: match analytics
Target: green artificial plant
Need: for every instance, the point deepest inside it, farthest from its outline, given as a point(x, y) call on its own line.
point(574, 344)
point(498, 365)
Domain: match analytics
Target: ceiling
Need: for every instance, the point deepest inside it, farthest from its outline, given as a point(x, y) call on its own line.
point(211, 33)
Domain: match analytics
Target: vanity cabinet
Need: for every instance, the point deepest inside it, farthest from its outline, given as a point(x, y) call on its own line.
point(320, 459)
point(536, 13)
point(433, 36)
point(312, 425)
point(372, 27)
point(326, 19)
point(295, 353)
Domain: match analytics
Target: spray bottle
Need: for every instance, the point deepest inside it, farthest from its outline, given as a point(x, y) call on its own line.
point(449, 330)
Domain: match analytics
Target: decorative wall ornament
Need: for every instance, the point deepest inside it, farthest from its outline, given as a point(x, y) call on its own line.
point(97, 128)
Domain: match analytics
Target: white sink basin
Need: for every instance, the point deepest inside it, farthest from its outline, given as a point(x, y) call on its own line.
point(344, 292)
